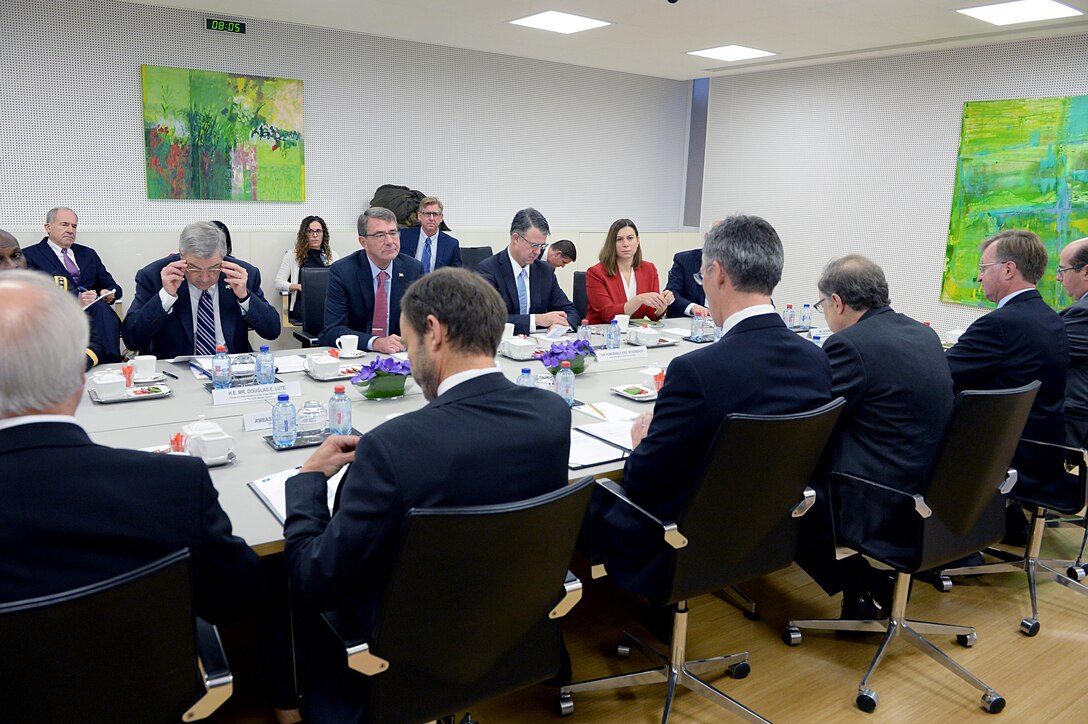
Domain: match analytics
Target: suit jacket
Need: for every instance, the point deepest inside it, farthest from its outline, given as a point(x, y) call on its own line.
point(92, 512)
point(447, 253)
point(349, 301)
point(757, 367)
point(93, 274)
point(170, 334)
point(347, 561)
point(1075, 318)
point(545, 294)
point(682, 282)
point(607, 296)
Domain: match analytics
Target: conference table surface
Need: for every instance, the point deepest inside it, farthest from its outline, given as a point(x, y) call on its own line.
point(152, 422)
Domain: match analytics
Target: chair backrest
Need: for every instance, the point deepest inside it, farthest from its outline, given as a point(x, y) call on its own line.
point(465, 617)
point(315, 283)
point(739, 521)
point(123, 650)
point(581, 300)
point(473, 255)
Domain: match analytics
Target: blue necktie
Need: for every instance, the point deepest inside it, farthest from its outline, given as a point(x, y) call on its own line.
point(523, 293)
point(205, 325)
point(427, 255)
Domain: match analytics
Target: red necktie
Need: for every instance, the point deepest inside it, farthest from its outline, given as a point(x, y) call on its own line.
point(381, 308)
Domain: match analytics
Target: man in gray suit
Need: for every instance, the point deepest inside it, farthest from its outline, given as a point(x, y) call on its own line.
point(1073, 274)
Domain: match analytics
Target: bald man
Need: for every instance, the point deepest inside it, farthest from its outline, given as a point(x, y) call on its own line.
point(1073, 275)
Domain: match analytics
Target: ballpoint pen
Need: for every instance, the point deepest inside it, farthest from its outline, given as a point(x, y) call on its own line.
point(201, 370)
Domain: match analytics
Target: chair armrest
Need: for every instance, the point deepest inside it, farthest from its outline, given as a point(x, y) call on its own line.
point(358, 652)
point(847, 480)
point(285, 308)
point(214, 671)
point(669, 531)
point(808, 499)
point(572, 594)
point(1075, 457)
point(306, 339)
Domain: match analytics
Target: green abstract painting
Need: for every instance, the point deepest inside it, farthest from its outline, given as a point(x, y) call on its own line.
point(211, 135)
point(1023, 164)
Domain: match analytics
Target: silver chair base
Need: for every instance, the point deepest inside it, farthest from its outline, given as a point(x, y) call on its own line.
point(741, 600)
point(674, 671)
point(898, 626)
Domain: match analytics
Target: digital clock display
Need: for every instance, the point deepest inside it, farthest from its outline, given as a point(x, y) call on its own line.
point(226, 26)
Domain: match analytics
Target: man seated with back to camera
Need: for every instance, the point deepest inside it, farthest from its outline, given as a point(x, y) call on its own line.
point(1073, 276)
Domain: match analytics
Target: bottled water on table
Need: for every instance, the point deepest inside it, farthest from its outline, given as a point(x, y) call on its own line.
point(612, 339)
point(266, 366)
point(584, 332)
point(817, 341)
point(339, 412)
point(806, 318)
point(284, 430)
point(698, 326)
point(221, 368)
point(525, 379)
point(564, 382)
point(789, 317)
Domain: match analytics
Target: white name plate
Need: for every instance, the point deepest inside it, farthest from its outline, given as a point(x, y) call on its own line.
point(253, 393)
point(257, 421)
point(620, 355)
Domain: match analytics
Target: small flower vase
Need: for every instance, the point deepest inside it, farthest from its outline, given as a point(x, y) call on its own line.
point(578, 365)
point(382, 387)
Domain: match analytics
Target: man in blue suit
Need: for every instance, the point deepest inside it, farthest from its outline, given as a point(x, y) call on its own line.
point(533, 297)
point(193, 301)
point(79, 269)
point(365, 289)
point(689, 296)
point(757, 367)
point(431, 247)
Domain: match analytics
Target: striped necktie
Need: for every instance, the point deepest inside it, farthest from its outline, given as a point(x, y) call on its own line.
point(205, 325)
point(523, 293)
point(427, 255)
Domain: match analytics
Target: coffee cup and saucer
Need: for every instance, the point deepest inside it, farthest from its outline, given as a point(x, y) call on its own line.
point(348, 344)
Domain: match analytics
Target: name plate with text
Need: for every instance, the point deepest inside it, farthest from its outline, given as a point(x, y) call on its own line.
point(620, 355)
point(257, 420)
point(254, 393)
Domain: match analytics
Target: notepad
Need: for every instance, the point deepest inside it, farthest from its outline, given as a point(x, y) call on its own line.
point(616, 433)
point(586, 451)
point(607, 411)
point(272, 490)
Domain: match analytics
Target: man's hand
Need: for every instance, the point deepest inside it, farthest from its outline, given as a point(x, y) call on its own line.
point(333, 454)
point(173, 274)
point(699, 309)
point(389, 345)
point(550, 319)
point(640, 427)
point(236, 277)
point(87, 297)
point(108, 298)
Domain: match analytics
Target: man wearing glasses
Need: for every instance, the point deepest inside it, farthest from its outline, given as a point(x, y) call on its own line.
point(526, 283)
point(193, 301)
point(1020, 341)
point(365, 289)
point(431, 247)
point(1073, 275)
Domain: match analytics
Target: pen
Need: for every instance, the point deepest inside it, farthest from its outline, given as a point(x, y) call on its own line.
point(592, 407)
point(170, 374)
point(201, 370)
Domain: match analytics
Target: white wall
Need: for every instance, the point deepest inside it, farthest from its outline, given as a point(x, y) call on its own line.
point(860, 157)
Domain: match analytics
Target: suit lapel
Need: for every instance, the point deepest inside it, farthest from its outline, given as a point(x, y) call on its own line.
point(366, 287)
point(55, 267)
point(228, 312)
point(507, 274)
point(396, 291)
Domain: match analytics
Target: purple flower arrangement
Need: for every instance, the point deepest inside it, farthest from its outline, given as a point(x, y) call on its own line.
point(575, 352)
point(382, 367)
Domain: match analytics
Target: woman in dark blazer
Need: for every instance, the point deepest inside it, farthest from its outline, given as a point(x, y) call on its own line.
point(621, 283)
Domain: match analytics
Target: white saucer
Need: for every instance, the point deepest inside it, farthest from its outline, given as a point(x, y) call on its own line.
point(352, 355)
point(157, 377)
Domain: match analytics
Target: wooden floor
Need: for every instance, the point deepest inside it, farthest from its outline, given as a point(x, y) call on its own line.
point(1043, 679)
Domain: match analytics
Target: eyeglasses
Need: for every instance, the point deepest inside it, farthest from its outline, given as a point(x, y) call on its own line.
point(315, 231)
point(383, 235)
point(534, 247)
point(1064, 269)
point(982, 267)
point(434, 214)
point(698, 277)
point(819, 304)
point(194, 272)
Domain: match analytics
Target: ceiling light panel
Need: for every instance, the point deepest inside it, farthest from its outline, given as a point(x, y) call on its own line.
point(1021, 11)
point(558, 22)
point(730, 53)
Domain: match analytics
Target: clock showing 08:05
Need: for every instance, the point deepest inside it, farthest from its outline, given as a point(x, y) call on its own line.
point(226, 26)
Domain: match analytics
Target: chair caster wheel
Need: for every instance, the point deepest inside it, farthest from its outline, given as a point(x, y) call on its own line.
point(967, 640)
point(740, 670)
point(866, 700)
point(1029, 627)
point(943, 584)
point(565, 704)
point(792, 636)
point(753, 615)
point(1077, 573)
point(993, 702)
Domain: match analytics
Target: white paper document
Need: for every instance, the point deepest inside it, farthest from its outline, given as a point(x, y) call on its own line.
point(272, 490)
point(607, 411)
point(104, 293)
point(676, 331)
point(586, 451)
point(290, 363)
point(617, 433)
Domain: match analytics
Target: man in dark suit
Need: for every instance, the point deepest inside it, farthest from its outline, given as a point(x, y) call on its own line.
point(78, 269)
point(689, 297)
point(892, 373)
point(198, 299)
point(428, 244)
point(533, 297)
point(757, 367)
point(76, 513)
point(452, 322)
point(1073, 275)
point(1020, 341)
point(365, 289)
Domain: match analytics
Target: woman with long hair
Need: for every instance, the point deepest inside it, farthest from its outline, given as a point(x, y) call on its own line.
point(311, 249)
point(622, 283)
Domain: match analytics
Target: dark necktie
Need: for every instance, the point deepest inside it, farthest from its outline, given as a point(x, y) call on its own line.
point(381, 308)
point(205, 325)
point(427, 255)
point(70, 265)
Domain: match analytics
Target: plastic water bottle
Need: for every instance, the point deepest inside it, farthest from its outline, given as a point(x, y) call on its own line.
point(266, 366)
point(584, 332)
point(697, 326)
point(789, 317)
point(339, 412)
point(612, 340)
point(817, 341)
point(564, 379)
point(221, 368)
point(525, 379)
point(806, 318)
point(284, 429)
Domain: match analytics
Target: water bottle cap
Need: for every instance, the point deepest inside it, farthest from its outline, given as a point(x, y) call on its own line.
point(526, 371)
point(585, 321)
point(789, 306)
point(220, 348)
point(615, 322)
point(806, 305)
point(565, 364)
point(815, 337)
point(283, 397)
point(264, 347)
point(339, 389)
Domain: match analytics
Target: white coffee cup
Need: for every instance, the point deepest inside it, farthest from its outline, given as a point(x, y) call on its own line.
point(108, 385)
point(348, 343)
point(144, 365)
point(508, 330)
point(213, 447)
point(623, 320)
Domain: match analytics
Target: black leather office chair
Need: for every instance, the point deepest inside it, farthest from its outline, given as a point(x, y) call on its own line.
point(473, 255)
point(960, 511)
point(128, 649)
point(581, 300)
point(472, 610)
point(1062, 488)
point(741, 523)
point(311, 303)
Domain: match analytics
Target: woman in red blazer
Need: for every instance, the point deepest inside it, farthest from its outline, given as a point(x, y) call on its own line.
point(622, 283)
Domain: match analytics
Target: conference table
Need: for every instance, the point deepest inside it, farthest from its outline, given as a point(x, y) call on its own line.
point(152, 422)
